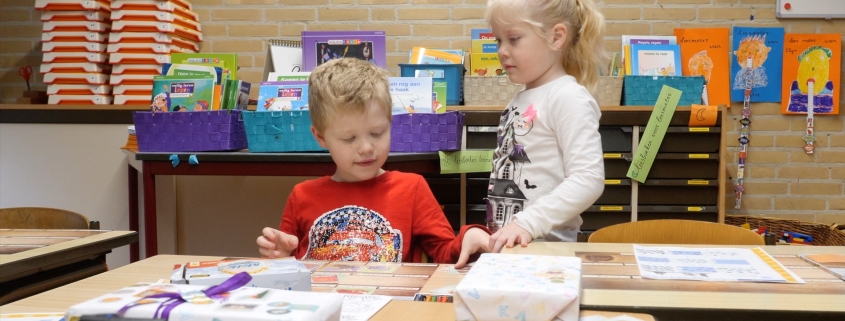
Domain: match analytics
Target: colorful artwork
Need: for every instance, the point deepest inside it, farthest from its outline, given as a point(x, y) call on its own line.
point(352, 233)
point(764, 47)
point(705, 52)
point(812, 58)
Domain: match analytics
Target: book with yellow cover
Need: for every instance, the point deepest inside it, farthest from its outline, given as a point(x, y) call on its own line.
point(816, 58)
point(484, 46)
point(485, 64)
point(705, 52)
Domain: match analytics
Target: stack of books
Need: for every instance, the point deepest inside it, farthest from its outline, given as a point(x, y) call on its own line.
point(74, 60)
point(144, 34)
point(484, 56)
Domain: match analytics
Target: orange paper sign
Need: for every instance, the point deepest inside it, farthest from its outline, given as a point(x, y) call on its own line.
point(703, 116)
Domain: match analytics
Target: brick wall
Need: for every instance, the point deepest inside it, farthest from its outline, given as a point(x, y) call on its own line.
point(781, 179)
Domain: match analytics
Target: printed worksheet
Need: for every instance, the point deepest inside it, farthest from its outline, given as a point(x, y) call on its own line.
point(711, 264)
point(361, 307)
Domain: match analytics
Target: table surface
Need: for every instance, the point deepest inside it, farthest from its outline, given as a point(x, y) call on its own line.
point(46, 249)
point(696, 295)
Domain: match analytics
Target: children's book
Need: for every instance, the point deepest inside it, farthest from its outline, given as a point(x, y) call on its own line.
point(481, 33)
point(484, 46)
point(235, 94)
point(816, 57)
point(182, 93)
point(832, 263)
point(229, 61)
point(421, 56)
point(319, 47)
point(438, 96)
point(485, 64)
point(289, 76)
point(656, 60)
point(705, 52)
point(169, 69)
point(282, 95)
point(763, 47)
point(411, 95)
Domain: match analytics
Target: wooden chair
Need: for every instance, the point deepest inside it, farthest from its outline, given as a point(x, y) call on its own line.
point(676, 232)
point(48, 218)
point(44, 218)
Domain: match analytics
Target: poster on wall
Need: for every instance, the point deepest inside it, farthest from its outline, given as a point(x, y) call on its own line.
point(813, 58)
point(764, 48)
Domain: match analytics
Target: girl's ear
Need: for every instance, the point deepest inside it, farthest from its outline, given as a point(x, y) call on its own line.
point(559, 36)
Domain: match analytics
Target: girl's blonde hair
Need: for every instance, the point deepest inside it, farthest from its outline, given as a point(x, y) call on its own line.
point(583, 52)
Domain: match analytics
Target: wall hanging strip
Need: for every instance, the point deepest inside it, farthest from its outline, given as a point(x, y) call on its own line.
point(743, 136)
point(810, 137)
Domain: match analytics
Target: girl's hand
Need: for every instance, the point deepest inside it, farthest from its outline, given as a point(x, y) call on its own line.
point(275, 244)
point(475, 240)
point(508, 236)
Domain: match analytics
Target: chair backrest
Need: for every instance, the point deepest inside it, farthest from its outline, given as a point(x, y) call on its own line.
point(43, 218)
point(676, 232)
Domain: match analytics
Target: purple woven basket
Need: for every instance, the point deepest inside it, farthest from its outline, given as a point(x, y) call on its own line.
point(426, 132)
point(201, 131)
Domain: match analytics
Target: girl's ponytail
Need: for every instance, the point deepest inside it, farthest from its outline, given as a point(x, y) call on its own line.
point(585, 54)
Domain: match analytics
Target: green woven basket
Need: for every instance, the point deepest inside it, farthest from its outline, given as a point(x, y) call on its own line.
point(644, 90)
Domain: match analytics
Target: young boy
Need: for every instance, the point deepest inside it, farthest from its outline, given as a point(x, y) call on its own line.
point(363, 213)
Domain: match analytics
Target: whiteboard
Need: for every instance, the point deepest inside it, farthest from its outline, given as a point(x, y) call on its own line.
point(825, 9)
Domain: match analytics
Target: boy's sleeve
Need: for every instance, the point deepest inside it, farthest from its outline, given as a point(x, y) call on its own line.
point(290, 225)
point(432, 230)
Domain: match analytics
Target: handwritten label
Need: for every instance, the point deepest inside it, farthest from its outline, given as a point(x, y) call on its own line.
point(612, 155)
point(612, 182)
point(466, 161)
point(661, 116)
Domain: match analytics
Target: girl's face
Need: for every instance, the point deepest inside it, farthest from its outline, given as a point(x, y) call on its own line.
point(526, 56)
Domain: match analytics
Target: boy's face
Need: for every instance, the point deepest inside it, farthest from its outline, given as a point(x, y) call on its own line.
point(359, 143)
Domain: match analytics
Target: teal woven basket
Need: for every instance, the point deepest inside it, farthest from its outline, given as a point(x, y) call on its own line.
point(644, 90)
point(279, 131)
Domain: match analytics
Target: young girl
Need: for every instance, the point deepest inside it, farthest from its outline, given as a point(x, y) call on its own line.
point(547, 167)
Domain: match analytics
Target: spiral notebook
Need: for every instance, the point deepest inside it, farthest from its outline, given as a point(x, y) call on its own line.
point(282, 56)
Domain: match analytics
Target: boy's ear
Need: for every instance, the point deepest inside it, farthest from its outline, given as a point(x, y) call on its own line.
point(319, 137)
point(559, 35)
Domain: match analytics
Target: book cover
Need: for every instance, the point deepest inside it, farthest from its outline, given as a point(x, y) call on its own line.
point(764, 48)
point(229, 61)
point(319, 47)
point(236, 94)
point(169, 69)
point(481, 33)
point(438, 96)
point(282, 95)
point(411, 95)
point(422, 56)
point(485, 46)
point(289, 76)
point(648, 40)
point(656, 60)
point(832, 263)
point(705, 52)
point(485, 64)
point(182, 93)
point(816, 57)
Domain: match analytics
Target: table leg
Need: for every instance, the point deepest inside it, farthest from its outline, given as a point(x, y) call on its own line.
point(133, 212)
point(150, 228)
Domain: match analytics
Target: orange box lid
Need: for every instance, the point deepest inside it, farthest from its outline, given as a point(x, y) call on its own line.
point(62, 46)
point(180, 7)
point(153, 37)
point(79, 99)
point(80, 26)
point(136, 69)
point(72, 5)
point(158, 48)
point(75, 36)
point(75, 67)
point(160, 16)
point(133, 90)
point(66, 57)
point(76, 79)
point(100, 15)
point(79, 89)
point(153, 26)
point(129, 79)
point(138, 58)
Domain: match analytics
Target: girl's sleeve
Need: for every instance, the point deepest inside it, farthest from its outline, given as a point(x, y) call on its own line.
point(575, 124)
point(432, 231)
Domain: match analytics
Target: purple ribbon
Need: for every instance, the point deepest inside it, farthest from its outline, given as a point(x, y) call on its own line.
point(175, 299)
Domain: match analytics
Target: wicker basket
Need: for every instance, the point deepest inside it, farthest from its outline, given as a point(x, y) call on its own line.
point(609, 91)
point(822, 234)
point(489, 90)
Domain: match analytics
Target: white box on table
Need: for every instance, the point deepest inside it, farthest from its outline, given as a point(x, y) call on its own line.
point(245, 303)
point(284, 274)
point(522, 287)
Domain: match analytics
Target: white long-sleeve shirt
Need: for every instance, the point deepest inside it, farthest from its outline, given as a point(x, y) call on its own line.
point(548, 166)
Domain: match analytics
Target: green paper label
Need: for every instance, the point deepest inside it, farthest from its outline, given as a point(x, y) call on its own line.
point(661, 116)
point(466, 161)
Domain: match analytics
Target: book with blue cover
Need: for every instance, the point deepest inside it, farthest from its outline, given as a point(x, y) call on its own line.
point(411, 95)
point(656, 60)
point(763, 47)
point(182, 93)
point(282, 95)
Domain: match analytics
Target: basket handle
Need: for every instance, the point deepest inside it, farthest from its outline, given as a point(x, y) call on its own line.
point(271, 129)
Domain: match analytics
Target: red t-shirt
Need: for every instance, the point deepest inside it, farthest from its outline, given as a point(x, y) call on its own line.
point(386, 219)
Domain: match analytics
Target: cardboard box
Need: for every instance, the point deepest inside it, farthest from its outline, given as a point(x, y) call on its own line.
point(285, 274)
point(522, 287)
point(244, 303)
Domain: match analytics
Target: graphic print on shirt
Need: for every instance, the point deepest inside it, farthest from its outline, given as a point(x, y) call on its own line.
point(504, 196)
point(353, 233)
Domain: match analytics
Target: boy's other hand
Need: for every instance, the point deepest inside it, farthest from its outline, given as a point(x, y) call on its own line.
point(475, 240)
point(508, 236)
point(275, 244)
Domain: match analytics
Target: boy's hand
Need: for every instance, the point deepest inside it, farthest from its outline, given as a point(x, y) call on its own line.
point(508, 236)
point(275, 244)
point(475, 240)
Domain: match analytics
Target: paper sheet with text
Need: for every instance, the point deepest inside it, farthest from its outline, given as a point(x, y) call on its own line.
point(711, 264)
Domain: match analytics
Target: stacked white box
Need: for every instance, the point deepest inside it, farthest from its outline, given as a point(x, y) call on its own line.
point(144, 34)
point(74, 46)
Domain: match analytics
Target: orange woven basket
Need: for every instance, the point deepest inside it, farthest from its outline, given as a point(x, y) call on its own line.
point(822, 234)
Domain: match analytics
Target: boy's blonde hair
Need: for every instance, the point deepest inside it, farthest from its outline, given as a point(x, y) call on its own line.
point(346, 85)
point(583, 52)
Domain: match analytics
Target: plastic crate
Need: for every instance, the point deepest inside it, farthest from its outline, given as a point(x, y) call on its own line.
point(453, 75)
point(279, 131)
point(189, 131)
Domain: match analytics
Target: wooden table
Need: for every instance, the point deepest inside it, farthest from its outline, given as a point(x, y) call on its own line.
point(33, 261)
point(239, 163)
